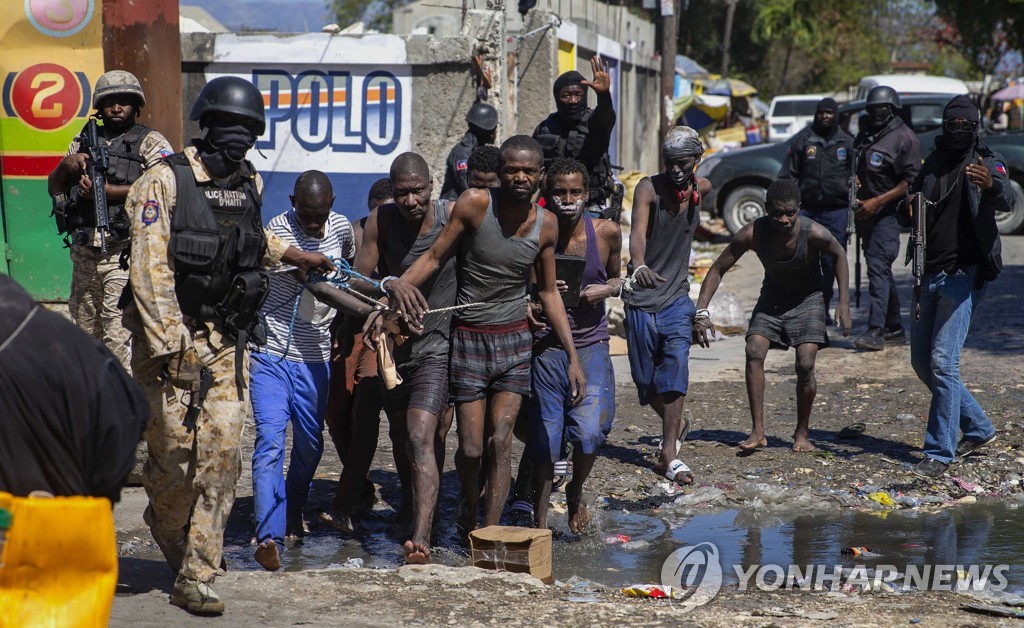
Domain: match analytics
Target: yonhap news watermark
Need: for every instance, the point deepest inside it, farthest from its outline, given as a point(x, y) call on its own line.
point(693, 575)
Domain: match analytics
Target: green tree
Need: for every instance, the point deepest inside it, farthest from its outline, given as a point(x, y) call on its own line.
point(983, 31)
point(375, 14)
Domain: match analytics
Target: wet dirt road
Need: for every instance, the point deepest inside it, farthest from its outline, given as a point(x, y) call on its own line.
point(757, 498)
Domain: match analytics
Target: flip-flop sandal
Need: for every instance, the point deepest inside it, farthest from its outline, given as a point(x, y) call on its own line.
point(674, 468)
point(562, 471)
point(852, 432)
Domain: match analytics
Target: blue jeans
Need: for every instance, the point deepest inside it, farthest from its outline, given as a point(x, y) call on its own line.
point(659, 348)
point(947, 305)
point(880, 238)
point(284, 391)
point(833, 219)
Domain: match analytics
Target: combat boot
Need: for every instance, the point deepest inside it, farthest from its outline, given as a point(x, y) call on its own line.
point(895, 336)
point(871, 341)
point(196, 597)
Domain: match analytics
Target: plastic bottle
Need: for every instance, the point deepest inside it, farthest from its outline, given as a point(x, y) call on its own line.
point(5, 524)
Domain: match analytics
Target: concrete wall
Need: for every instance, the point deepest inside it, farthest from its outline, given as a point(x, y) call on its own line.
point(583, 28)
point(320, 115)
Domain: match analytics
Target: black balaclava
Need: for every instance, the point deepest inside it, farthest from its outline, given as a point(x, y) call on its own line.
point(222, 148)
point(570, 114)
point(826, 104)
point(883, 117)
point(959, 141)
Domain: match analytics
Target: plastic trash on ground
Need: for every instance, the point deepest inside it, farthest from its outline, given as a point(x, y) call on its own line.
point(653, 591)
point(727, 313)
point(882, 498)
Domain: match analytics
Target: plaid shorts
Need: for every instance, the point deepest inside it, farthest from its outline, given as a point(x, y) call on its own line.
point(490, 358)
point(424, 386)
point(790, 324)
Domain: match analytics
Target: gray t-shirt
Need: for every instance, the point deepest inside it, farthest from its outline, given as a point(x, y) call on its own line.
point(494, 269)
point(669, 236)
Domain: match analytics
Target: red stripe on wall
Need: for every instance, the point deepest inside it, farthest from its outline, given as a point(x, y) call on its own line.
point(29, 165)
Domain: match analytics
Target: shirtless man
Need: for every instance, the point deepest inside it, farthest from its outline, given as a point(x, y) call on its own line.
point(394, 237)
point(791, 309)
point(500, 236)
point(550, 411)
point(659, 312)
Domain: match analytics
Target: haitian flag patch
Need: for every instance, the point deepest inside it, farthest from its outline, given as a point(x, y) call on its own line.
point(1001, 169)
point(462, 164)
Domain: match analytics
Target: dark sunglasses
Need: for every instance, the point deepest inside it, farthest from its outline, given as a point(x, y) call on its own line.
point(959, 125)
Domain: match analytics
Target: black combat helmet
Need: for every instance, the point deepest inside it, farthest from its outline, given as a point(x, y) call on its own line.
point(230, 94)
point(884, 95)
point(482, 116)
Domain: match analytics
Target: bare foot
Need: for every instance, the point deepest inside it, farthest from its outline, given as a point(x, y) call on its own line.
point(754, 441)
point(579, 517)
point(416, 553)
point(802, 443)
point(340, 521)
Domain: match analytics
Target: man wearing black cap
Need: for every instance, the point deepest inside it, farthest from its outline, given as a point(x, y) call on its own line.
point(963, 184)
point(819, 160)
point(584, 134)
point(888, 158)
point(483, 129)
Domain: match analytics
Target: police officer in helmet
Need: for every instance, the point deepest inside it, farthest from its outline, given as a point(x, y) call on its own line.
point(577, 131)
point(888, 158)
point(97, 279)
point(482, 120)
point(198, 256)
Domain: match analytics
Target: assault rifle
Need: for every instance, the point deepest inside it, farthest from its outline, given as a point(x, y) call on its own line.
point(918, 237)
point(851, 222)
point(99, 162)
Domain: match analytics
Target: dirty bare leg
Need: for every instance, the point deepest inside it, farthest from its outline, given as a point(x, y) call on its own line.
point(422, 431)
point(806, 391)
point(669, 407)
point(398, 432)
point(543, 472)
point(502, 410)
point(582, 464)
point(470, 428)
point(757, 349)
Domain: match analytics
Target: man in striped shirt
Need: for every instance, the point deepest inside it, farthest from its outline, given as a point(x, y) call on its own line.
point(289, 378)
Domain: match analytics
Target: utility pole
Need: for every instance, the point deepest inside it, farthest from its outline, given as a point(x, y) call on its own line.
point(730, 10)
point(669, 34)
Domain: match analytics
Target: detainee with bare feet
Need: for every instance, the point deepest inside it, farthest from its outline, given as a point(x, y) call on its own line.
point(499, 235)
point(791, 309)
point(395, 236)
point(596, 243)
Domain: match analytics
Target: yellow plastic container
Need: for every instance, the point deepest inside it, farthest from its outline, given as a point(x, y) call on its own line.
point(59, 562)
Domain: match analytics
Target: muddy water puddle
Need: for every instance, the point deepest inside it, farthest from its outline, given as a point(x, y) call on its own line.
point(630, 547)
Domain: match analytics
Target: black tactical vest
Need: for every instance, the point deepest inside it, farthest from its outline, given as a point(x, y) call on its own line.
point(556, 143)
point(217, 243)
point(126, 166)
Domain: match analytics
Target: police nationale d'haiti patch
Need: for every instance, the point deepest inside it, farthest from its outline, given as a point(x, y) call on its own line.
point(841, 153)
point(875, 159)
point(150, 212)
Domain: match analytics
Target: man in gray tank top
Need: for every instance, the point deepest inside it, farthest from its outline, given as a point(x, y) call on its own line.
point(791, 309)
point(394, 237)
point(500, 235)
point(659, 312)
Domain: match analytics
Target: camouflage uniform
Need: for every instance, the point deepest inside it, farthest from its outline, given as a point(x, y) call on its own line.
point(97, 279)
point(191, 475)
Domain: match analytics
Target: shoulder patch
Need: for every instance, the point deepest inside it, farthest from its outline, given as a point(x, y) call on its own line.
point(165, 153)
point(841, 153)
point(462, 164)
point(1001, 169)
point(875, 159)
point(150, 212)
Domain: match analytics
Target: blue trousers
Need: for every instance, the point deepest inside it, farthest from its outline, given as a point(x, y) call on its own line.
point(833, 219)
point(880, 239)
point(285, 392)
point(947, 306)
point(659, 348)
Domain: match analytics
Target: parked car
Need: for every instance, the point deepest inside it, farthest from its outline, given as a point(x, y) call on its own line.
point(907, 84)
point(788, 115)
point(741, 177)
